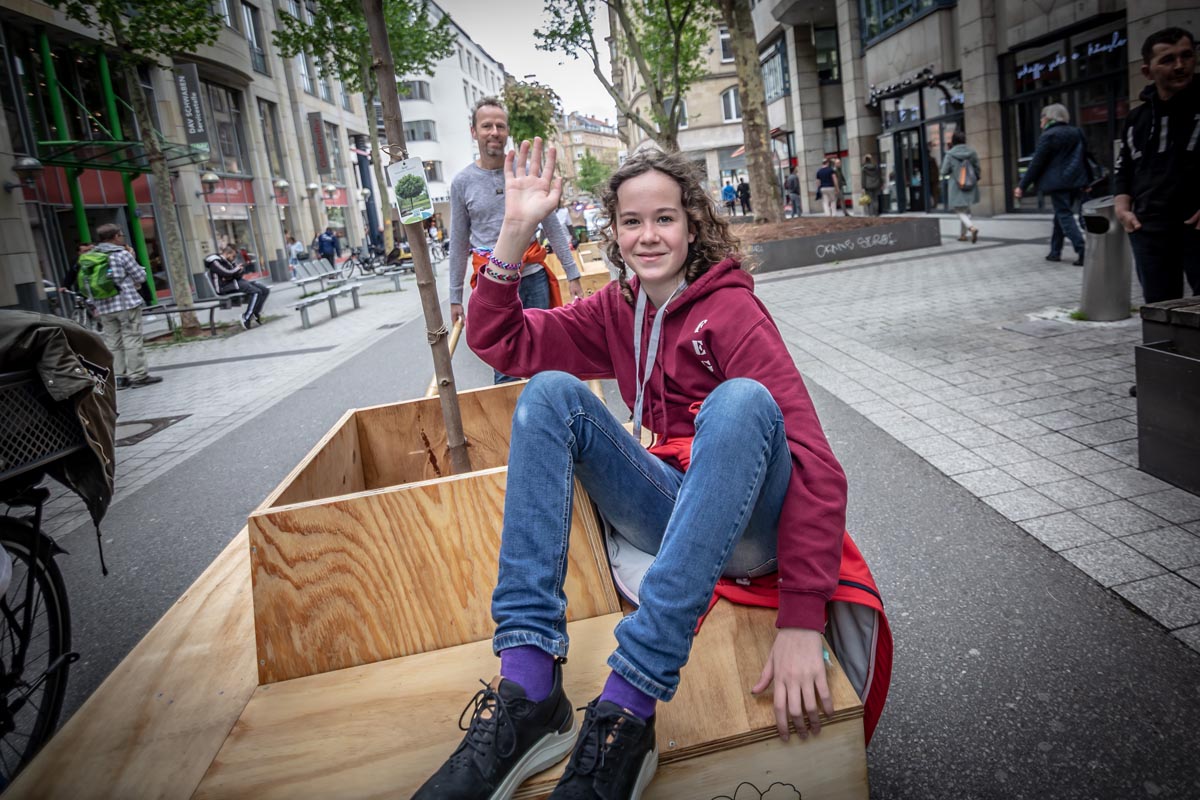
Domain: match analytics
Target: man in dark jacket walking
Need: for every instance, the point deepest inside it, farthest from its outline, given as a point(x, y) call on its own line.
point(743, 194)
point(329, 247)
point(1059, 168)
point(1158, 169)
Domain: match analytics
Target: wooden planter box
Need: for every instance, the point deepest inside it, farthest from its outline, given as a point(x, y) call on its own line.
point(367, 551)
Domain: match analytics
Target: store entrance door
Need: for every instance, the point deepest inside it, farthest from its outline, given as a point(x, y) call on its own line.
point(910, 170)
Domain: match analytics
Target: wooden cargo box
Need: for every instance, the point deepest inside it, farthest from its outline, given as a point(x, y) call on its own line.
point(369, 551)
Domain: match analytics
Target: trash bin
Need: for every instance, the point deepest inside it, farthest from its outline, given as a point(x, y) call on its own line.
point(1107, 263)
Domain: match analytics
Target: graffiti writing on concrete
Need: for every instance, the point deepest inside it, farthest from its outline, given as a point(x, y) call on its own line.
point(776, 791)
point(864, 243)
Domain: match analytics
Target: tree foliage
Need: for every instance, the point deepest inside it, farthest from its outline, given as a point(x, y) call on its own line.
point(335, 36)
point(532, 109)
point(147, 32)
point(592, 174)
point(664, 40)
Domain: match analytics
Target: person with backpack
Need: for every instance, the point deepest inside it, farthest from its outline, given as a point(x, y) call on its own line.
point(1059, 168)
point(229, 274)
point(109, 278)
point(961, 166)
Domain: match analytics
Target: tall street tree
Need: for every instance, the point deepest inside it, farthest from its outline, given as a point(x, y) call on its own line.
point(152, 34)
point(334, 33)
point(663, 40)
point(592, 174)
point(756, 134)
point(384, 67)
point(532, 108)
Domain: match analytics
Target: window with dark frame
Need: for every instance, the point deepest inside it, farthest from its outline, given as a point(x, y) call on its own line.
point(829, 66)
point(268, 119)
point(726, 44)
point(224, 112)
point(420, 130)
point(731, 105)
point(254, 38)
point(669, 103)
point(776, 80)
point(416, 90)
point(881, 17)
point(433, 171)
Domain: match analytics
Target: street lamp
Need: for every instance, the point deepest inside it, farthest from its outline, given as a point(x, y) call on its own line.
point(329, 189)
point(208, 184)
point(312, 189)
point(27, 169)
point(281, 185)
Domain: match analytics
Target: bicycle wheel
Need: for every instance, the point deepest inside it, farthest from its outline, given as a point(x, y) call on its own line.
point(348, 267)
point(34, 660)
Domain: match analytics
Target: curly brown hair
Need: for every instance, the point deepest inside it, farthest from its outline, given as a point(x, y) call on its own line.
point(714, 241)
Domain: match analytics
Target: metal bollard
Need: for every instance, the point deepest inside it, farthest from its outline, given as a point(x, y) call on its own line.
point(1107, 263)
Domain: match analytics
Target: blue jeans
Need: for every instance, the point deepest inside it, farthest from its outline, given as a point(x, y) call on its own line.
point(1163, 258)
point(1065, 205)
point(534, 291)
point(718, 518)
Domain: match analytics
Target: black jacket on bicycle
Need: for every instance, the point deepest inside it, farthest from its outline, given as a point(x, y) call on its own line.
point(75, 366)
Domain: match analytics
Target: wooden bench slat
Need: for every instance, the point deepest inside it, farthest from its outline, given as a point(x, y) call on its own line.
point(155, 724)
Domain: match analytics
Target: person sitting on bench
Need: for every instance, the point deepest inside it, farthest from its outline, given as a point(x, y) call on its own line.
point(229, 280)
point(740, 482)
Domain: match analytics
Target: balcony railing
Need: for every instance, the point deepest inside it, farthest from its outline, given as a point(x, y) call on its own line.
point(258, 60)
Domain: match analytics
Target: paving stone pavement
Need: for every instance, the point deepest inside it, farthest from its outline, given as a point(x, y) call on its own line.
point(242, 375)
point(966, 355)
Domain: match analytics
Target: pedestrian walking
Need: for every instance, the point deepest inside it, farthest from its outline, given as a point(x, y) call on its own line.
point(1158, 169)
point(961, 166)
point(296, 254)
point(229, 273)
point(744, 484)
point(729, 197)
point(827, 187)
point(791, 185)
point(109, 277)
point(477, 212)
point(743, 193)
point(329, 247)
point(1059, 168)
point(872, 182)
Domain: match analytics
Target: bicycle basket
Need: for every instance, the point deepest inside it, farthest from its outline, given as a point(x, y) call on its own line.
point(35, 430)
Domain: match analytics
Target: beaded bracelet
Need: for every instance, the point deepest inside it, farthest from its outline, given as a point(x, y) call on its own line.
point(503, 277)
point(491, 257)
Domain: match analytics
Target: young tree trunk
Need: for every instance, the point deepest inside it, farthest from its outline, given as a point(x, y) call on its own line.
point(765, 192)
point(385, 78)
point(382, 200)
point(168, 217)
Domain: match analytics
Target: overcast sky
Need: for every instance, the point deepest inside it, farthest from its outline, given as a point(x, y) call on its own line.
point(504, 28)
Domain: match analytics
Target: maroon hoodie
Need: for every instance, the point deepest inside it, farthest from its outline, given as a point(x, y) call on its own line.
point(715, 330)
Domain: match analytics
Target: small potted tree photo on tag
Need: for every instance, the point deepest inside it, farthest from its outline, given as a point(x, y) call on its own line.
point(410, 191)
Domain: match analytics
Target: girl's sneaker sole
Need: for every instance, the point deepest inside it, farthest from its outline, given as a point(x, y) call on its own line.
point(552, 748)
point(645, 774)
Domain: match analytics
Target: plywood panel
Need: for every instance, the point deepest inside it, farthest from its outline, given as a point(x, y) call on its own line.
point(394, 572)
point(332, 468)
point(406, 442)
point(154, 725)
point(381, 729)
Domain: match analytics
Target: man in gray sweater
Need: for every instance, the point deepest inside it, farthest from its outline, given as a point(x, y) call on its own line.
point(477, 210)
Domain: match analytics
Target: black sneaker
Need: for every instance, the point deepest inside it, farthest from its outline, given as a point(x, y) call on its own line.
point(508, 739)
point(615, 757)
point(1054, 258)
point(122, 382)
point(145, 380)
point(1078, 260)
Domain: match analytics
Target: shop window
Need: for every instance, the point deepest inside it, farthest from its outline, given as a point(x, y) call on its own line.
point(881, 17)
point(731, 105)
point(254, 38)
point(433, 171)
point(726, 44)
point(829, 65)
point(420, 130)
point(415, 90)
point(776, 82)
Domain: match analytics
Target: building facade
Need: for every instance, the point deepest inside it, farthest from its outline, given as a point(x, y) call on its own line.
point(580, 135)
point(274, 141)
point(897, 79)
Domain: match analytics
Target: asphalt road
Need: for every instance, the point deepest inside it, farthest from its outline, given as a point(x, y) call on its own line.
point(1015, 675)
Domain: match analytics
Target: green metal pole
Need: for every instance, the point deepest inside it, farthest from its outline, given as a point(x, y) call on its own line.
point(135, 222)
point(60, 122)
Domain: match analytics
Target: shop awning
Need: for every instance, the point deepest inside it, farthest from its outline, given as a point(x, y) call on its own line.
point(119, 156)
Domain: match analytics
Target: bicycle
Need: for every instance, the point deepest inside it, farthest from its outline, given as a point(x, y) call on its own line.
point(365, 266)
point(35, 618)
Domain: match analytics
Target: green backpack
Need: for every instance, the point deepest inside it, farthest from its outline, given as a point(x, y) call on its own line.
point(95, 278)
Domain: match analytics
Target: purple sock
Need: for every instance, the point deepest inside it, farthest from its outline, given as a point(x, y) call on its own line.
point(629, 697)
point(530, 668)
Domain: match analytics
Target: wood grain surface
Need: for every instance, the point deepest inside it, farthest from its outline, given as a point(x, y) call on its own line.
point(394, 572)
point(379, 730)
point(332, 468)
point(155, 724)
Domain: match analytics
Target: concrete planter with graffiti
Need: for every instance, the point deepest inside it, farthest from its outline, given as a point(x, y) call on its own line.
point(829, 248)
